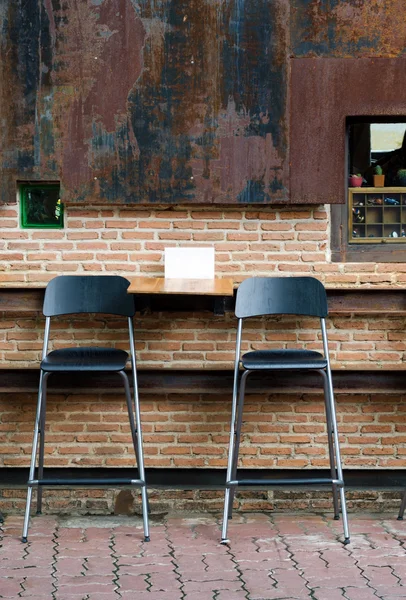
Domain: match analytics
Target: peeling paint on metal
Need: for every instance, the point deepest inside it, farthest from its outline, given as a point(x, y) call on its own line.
point(169, 101)
point(325, 92)
point(348, 28)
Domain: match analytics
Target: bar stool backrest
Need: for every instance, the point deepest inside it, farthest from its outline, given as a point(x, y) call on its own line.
point(75, 294)
point(281, 296)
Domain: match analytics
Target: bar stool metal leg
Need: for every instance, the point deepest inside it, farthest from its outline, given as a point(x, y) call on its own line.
point(132, 422)
point(232, 440)
point(231, 451)
point(337, 455)
point(141, 470)
point(41, 392)
point(331, 402)
point(130, 414)
point(240, 409)
point(330, 429)
point(41, 448)
point(402, 508)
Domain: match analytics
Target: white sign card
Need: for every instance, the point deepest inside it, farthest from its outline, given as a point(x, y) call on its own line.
point(189, 263)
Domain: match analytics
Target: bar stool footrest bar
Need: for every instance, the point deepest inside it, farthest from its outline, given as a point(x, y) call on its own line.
point(86, 482)
point(271, 482)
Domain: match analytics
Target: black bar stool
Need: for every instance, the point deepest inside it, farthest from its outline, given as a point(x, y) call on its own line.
point(303, 296)
point(78, 294)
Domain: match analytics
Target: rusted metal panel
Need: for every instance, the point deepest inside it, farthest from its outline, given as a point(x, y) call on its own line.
point(151, 101)
point(324, 92)
point(348, 28)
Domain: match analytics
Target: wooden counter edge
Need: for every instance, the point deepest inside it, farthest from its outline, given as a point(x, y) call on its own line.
point(198, 287)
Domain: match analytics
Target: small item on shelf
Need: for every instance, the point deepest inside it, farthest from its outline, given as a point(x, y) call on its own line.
point(355, 233)
point(374, 201)
point(403, 233)
point(394, 234)
point(402, 177)
point(391, 201)
point(355, 180)
point(358, 217)
point(379, 177)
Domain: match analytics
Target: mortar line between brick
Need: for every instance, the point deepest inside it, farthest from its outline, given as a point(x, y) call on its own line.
point(55, 538)
point(172, 554)
point(358, 566)
point(21, 584)
point(349, 550)
point(237, 566)
point(294, 561)
point(113, 554)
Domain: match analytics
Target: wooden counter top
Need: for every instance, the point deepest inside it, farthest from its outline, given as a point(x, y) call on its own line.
point(197, 287)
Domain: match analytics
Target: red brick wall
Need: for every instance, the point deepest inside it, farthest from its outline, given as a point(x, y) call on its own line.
point(184, 430)
point(205, 341)
point(191, 430)
point(283, 430)
point(284, 241)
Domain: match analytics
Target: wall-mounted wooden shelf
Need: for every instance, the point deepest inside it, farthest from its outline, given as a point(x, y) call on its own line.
point(341, 301)
point(376, 215)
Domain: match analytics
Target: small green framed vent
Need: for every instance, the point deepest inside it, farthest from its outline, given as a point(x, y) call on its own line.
point(40, 206)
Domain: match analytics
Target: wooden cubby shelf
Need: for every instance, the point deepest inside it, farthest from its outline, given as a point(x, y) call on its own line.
point(377, 215)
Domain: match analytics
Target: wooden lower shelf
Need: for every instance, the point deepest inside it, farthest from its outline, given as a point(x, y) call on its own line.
point(341, 301)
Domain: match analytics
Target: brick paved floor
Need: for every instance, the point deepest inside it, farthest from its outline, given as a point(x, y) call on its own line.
point(272, 557)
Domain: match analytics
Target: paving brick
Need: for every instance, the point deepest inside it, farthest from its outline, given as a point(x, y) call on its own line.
point(10, 587)
point(38, 585)
point(203, 575)
point(191, 587)
point(227, 595)
point(139, 566)
point(327, 594)
point(69, 566)
point(173, 595)
point(136, 583)
point(96, 564)
point(356, 593)
point(380, 576)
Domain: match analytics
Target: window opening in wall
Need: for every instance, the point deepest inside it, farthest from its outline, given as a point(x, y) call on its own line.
point(40, 206)
point(371, 226)
point(377, 145)
point(377, 180)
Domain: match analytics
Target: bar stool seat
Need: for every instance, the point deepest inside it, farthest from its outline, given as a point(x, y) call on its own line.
point(85, 359)
point(283, 359)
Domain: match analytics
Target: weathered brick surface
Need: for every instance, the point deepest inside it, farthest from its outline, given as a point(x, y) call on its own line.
point(284, 241)
point(205, 341)
point(280, 430)
point(192, 431)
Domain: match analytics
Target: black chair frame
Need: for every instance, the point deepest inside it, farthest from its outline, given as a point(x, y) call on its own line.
point(65, 295)
point(302, 296)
